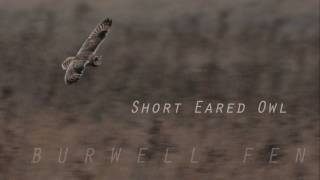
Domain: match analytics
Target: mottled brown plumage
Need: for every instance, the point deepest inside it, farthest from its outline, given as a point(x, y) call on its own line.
point(86, 56)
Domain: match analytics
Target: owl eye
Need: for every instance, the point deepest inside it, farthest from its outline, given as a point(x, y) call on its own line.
point(78, 68)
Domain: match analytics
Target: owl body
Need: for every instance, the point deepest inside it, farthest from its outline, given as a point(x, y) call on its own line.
point(75, 65)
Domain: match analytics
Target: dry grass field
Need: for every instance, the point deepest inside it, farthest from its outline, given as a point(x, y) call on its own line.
point(160, 51)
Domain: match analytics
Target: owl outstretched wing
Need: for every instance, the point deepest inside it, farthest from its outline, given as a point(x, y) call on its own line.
point(95, 38)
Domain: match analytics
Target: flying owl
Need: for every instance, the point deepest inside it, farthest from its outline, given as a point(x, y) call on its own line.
point(86, 56)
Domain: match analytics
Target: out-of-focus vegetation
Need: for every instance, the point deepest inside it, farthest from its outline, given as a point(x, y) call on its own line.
point(159, 51)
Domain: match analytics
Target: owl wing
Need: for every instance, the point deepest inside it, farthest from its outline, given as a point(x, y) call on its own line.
point(95, 38)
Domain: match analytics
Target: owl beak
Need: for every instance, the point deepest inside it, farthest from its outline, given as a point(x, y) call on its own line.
point(68, 82)
point(71, 80)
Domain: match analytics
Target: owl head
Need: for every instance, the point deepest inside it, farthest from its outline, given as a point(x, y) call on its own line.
point(66, 63)
point(72, 78)
point(74, 72)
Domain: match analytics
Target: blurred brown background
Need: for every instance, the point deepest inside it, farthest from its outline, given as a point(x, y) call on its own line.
point(159, 51)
